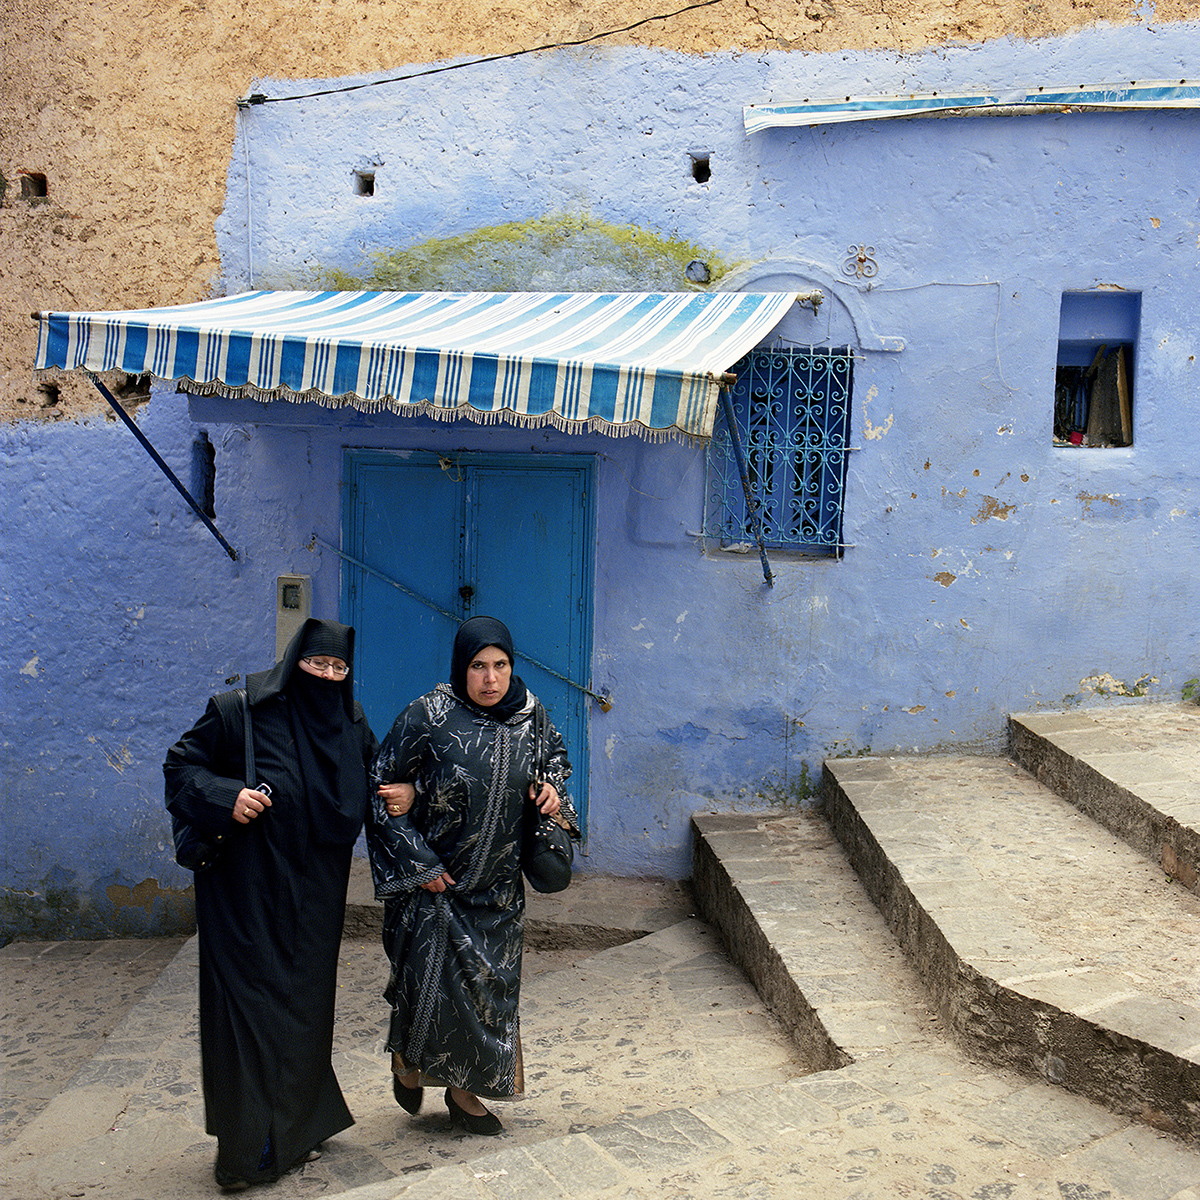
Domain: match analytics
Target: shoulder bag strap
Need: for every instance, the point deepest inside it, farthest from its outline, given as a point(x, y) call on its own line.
point(248, 728)
point(539, 742)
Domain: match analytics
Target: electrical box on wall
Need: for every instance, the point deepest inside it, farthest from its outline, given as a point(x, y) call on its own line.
point(293, 606)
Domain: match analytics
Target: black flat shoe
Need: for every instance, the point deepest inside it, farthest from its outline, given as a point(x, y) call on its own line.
point(408, 1098)
point(487, 1125)
point(229, 1183)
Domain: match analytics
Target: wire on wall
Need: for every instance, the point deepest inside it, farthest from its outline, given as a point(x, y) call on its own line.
point(259, 98)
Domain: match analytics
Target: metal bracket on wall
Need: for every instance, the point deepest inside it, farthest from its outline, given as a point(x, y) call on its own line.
point(158, 458)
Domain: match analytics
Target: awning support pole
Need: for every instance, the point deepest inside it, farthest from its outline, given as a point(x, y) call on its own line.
point(158, 458)
point(751, 500)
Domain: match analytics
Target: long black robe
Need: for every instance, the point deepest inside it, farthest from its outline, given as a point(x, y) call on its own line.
point(270, 916)
point(456, 955)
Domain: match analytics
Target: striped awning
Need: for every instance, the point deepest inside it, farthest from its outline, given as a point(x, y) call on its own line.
point(1083, 97)
point(621, 362)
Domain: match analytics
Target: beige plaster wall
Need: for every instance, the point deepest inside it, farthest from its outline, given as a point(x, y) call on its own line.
point(128, 112)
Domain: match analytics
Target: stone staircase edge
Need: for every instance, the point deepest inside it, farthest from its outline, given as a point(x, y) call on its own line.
point(723, 906)
point(1081, 779)
point(1001, 1023)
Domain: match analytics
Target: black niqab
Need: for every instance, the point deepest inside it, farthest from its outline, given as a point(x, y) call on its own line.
point(321, 710)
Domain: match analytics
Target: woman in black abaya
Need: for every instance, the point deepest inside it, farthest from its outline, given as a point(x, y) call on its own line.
point(270, 910)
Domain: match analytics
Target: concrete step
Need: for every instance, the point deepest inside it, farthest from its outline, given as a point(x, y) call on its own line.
point(1047, 944)
point(798, 921)
point(594, 913)
point(1134, 769)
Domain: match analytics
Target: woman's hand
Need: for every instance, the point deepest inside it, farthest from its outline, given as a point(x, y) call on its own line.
point(397, 796)
point(249, 804)
point(545, 797)
point(440, 884)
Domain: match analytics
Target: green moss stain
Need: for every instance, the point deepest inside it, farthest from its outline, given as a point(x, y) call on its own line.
point(576, 253)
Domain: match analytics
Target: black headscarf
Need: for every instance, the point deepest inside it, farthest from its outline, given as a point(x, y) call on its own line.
point(322, 716)
point(472, 636)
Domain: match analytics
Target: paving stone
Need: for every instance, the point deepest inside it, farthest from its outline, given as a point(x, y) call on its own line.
point(1048, 1120)
point(1141, 1162)
point(658, 1140)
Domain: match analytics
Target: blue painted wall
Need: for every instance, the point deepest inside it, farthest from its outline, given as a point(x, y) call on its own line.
point(989, 570)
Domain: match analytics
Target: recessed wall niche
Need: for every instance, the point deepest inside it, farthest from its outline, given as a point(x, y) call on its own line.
point(1093, 386)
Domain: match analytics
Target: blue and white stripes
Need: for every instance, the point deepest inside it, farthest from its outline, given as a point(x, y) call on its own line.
point(648, 361)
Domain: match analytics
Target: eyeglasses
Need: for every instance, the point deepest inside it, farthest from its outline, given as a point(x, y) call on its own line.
point(337, 670)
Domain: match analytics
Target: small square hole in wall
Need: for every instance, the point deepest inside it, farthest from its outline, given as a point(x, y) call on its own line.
point(1093, 384)
point(364, 183)
point(701, 167)
point(33, 185)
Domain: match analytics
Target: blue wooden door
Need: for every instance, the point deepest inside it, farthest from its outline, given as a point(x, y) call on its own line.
point(505, 536)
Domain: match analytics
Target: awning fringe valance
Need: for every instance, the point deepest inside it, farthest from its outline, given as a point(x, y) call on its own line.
point(460, 412)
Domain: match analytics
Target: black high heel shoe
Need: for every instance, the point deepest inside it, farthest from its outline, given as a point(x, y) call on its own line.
point(408, 1098)
point(487, 1125)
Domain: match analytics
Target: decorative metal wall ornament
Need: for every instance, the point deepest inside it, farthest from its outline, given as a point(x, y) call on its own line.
point(861, 264)
point(792, 408)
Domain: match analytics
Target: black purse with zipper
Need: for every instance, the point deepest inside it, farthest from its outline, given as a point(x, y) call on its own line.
point(546, 850)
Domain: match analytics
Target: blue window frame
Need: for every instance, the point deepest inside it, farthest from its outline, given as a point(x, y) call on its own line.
point(793, 414)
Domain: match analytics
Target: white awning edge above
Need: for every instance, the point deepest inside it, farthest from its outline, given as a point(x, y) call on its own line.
point(1155, 94)
point(644, 363)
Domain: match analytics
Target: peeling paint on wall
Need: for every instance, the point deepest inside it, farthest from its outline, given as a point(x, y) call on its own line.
point(990, 509)
point(871, 431)
point(1107, 685)
point(1087, 499)
point(142, 895)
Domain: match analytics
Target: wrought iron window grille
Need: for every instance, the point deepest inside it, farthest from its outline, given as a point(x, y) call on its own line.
point(792, 409)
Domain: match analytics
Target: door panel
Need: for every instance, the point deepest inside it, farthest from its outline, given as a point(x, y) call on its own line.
point(528, 573)
point(404, 524)
point(505, 536)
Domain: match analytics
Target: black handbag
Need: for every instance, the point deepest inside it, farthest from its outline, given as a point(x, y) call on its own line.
point(546, 850)
point(195, 850)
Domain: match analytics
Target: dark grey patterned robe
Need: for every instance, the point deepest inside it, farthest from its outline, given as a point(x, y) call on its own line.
point(456, 955)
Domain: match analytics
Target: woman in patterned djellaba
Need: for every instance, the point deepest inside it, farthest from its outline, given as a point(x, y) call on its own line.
point(449, 873)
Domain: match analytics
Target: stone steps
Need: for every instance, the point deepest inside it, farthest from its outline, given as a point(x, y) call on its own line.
point(1048, 944)
point(1136, 777)
point(942, 922)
